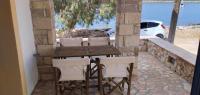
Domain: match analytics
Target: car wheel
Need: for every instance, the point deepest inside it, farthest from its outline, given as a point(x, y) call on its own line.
point(160, 36)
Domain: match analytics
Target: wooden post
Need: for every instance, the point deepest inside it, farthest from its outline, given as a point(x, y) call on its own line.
point(100, 77)
point(196, 79)
point(174, 19)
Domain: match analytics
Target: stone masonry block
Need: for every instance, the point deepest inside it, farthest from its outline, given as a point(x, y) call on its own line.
point(40, 32)
point(126, 29)
point(45, 69)
point(44, 61)
point(120, 41)
point(41, 39)
point(42, 23)
point(131, 8)
point(48, 60)
point(136, 62)
point(132, 18)
point(131, 1)
point(39, 60)
point(41, 4)
point(136, 50)
point(137, 29)
point(132, 41)
point(127, 51)
point(45, 50)
point(128, 8)
point(45, 76)
point(52, 37)
point(121, 18)
point(41, 13)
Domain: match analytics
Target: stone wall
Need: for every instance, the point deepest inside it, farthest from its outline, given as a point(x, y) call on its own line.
point(44, 32)
point(178, 60)
point(143, 45)
point(85, 33)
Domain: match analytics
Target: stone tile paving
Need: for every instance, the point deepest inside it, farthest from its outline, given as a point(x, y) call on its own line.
point(152, 78)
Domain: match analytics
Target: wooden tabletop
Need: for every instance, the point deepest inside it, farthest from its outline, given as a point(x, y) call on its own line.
point(85, 51)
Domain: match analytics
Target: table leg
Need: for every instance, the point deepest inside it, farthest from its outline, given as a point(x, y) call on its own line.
point(100, 87)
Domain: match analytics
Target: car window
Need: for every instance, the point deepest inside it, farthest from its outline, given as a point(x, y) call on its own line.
point(143, 25)
point(152, 24)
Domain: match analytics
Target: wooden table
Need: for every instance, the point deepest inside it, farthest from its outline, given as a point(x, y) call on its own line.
point(85, 51)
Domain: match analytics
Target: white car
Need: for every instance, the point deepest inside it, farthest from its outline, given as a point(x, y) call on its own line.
point(152, 28)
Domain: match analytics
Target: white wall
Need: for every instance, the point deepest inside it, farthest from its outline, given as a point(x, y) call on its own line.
point(27, 43)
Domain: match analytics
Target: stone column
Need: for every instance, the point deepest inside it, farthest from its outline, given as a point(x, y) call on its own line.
point(45, 37)
point(128, 26)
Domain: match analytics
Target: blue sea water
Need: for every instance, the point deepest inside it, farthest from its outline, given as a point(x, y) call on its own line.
point(189, 14)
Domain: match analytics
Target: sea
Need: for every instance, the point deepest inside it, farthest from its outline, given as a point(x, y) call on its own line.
point(161, 11)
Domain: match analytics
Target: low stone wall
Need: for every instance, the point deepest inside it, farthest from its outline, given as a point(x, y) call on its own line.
point(178, 60)
point(143, 45)
point(88, 33)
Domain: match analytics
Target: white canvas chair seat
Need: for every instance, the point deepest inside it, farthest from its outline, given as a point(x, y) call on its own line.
point(112, 68)
point(116, 66)
point(98, 41)
point(69, 42)
point(71, 69)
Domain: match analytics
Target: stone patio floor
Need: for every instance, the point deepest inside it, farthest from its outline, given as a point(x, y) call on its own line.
point(152, 78)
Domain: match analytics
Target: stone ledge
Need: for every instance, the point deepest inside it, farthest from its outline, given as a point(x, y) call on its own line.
point(187, 56)
point(178, 60)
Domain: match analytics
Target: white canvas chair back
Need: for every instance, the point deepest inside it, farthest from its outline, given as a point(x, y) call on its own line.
point(98, 41)
point(68, 42)
point(116, 66)
point(71, 69)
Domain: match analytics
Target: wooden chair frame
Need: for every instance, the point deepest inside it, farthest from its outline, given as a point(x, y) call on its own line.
point(92, 69)
point(103, 83)
point(60, 86)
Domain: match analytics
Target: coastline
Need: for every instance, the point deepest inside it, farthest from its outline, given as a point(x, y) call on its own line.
point(187, 26)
